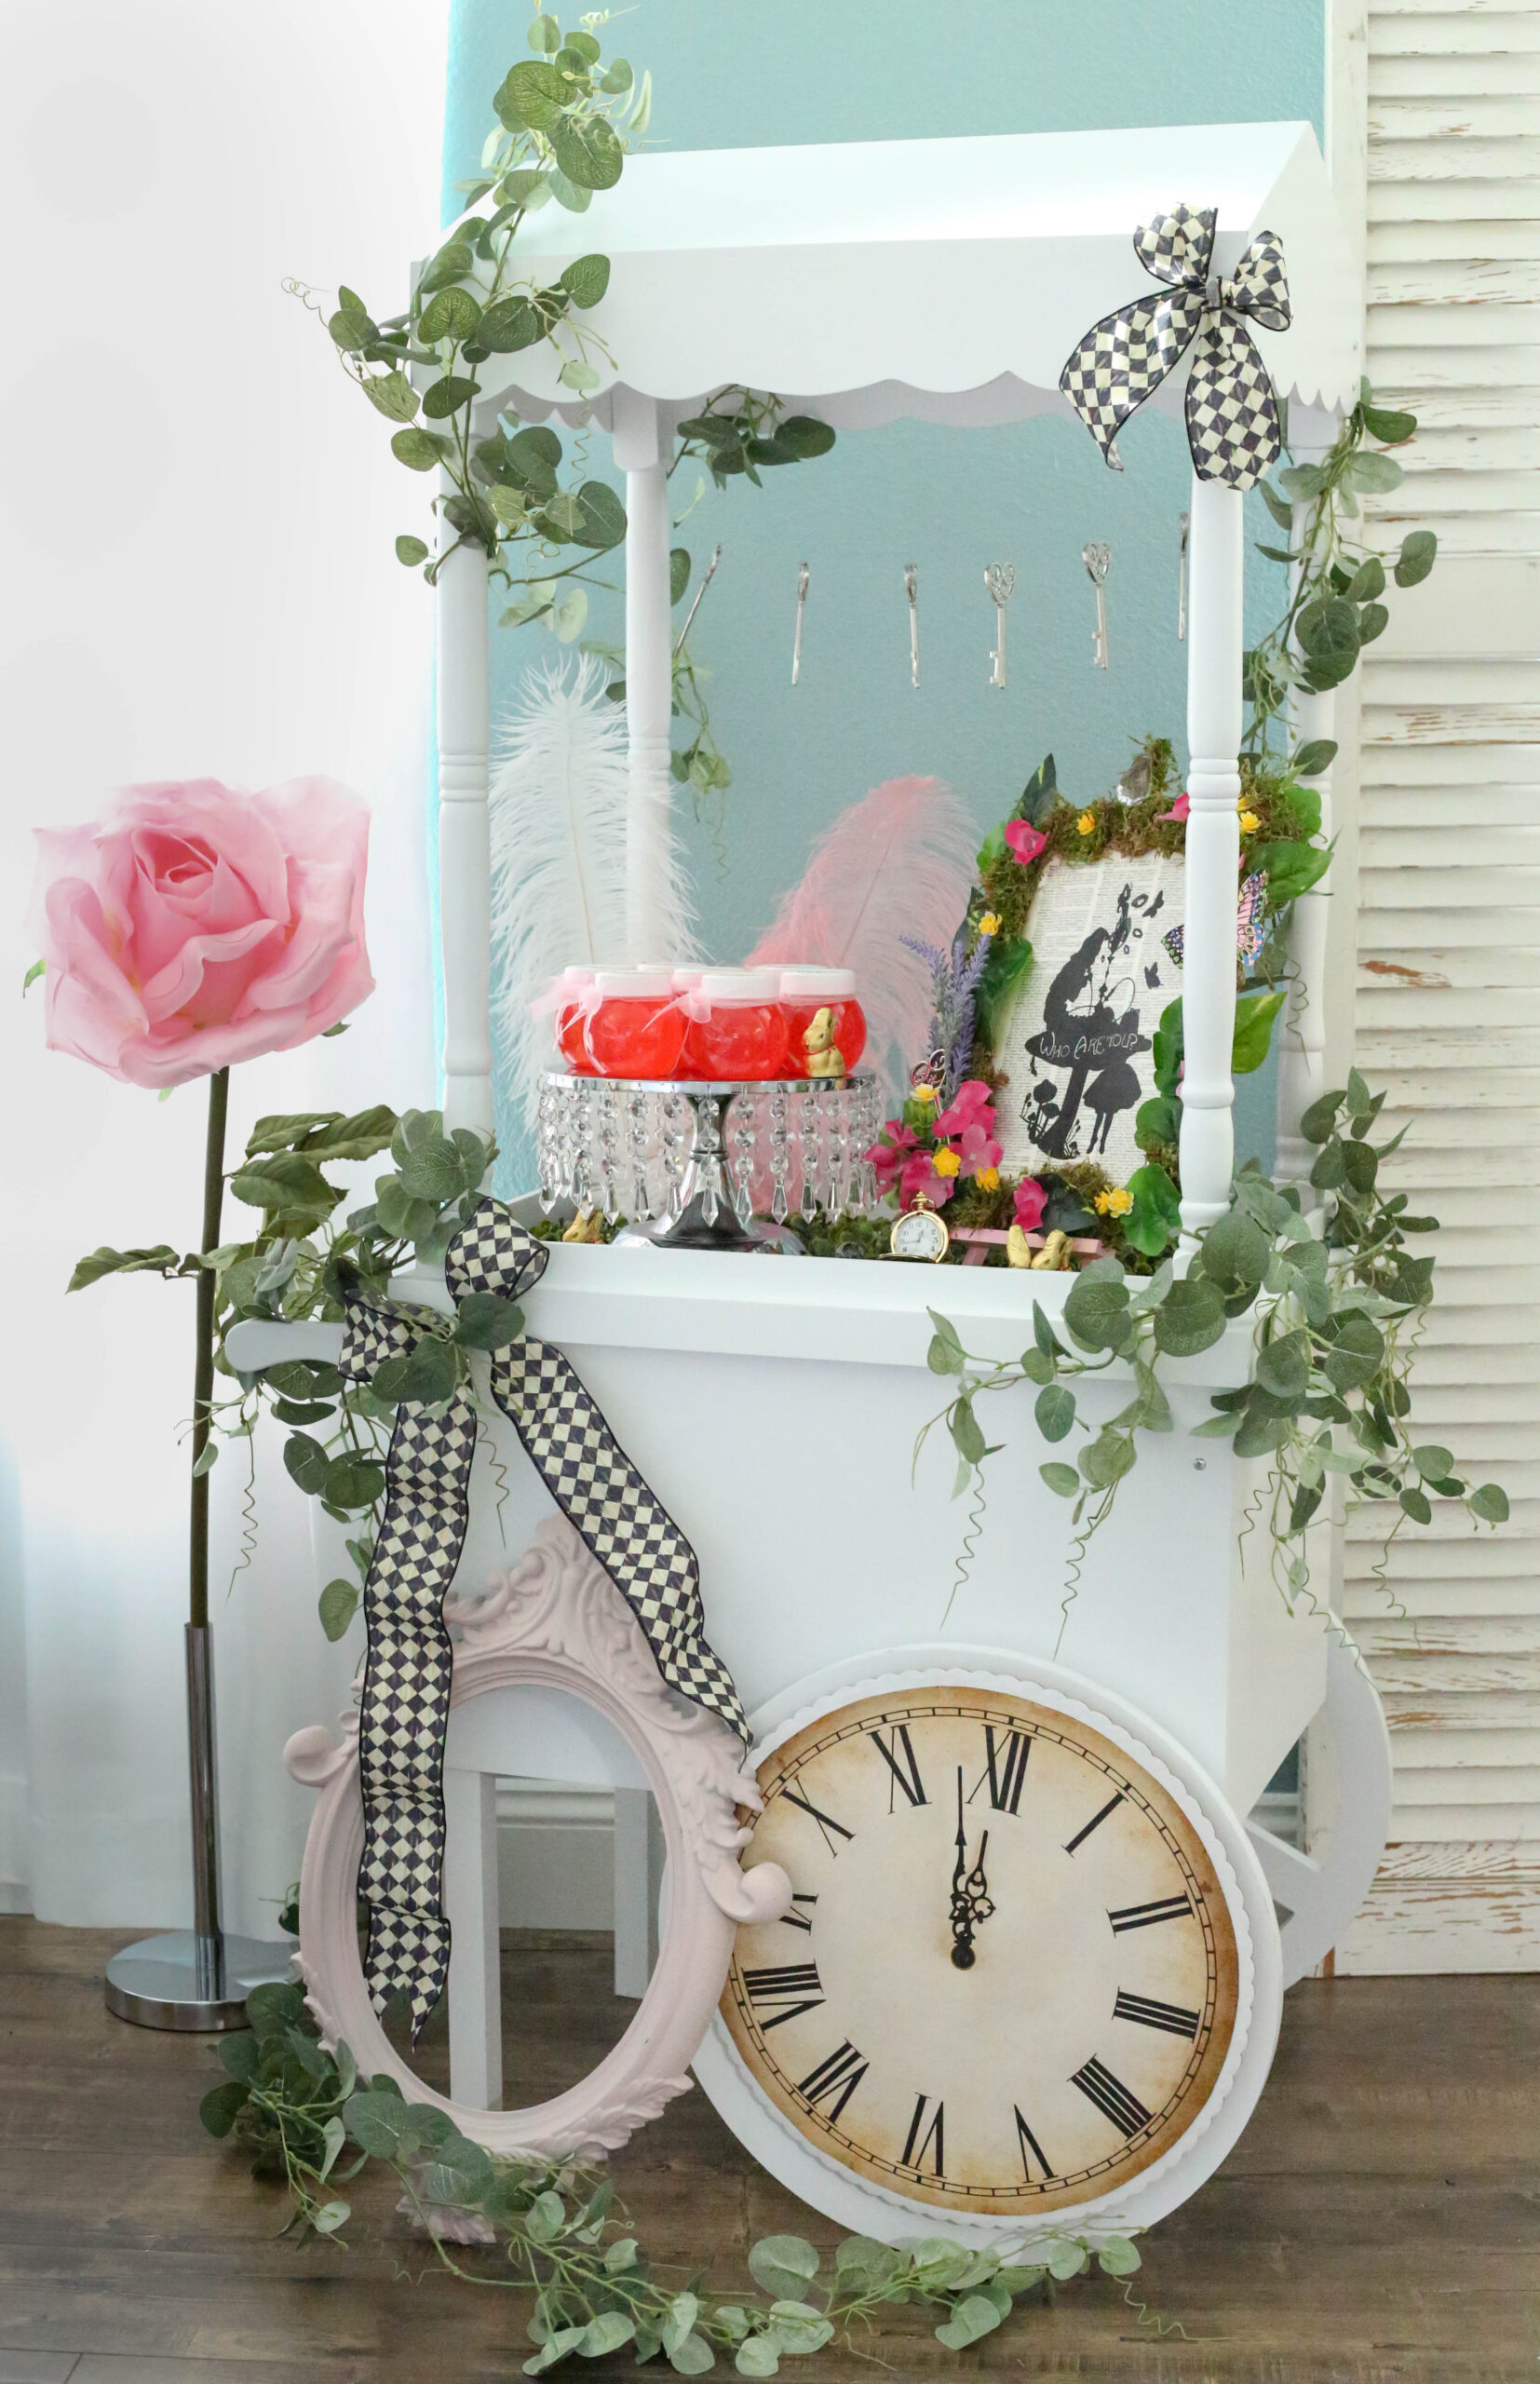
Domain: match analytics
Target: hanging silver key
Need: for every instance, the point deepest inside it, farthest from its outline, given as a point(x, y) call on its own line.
point(1098, 560)
point(802, 577)
point(1000, 579)
point(912, 590)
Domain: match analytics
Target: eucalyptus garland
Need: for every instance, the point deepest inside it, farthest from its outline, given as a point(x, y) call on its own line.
point(1336, 1316)
point(557, 2233)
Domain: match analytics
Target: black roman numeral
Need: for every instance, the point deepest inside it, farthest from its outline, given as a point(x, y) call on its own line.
point(839, 2076)
point(900, 1759)
point(1095, 1823)
point(1145, 1915)
point(783, 1983)
point(1112, 2098)
point(917, 2146)
point(1173, 2017)
point(795, 1920)
point(826, 1820)
point(1004, 1768)
point(1030, 2149)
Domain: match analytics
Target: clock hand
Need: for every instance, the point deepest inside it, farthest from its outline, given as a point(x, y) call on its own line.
point(970, 1901)
point(976, 1887)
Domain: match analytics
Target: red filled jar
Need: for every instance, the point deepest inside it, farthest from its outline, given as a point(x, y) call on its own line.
point(737, 1029)
point(825, 1024)
point(634, 1027)
point(687, 982)
point(565, 995)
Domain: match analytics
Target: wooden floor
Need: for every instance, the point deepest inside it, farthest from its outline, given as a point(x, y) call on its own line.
point(1379, 2221)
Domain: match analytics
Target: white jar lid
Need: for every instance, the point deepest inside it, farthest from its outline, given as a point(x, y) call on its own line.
point(632, 984)
point(819, 984)
point(578, 973)
point(686, 980)
point(740, 985)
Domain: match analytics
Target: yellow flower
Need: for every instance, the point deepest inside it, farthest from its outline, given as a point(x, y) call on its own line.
point(924, 1092)
point(1116, 1203)
point(990, 922)
point(987, 1179)
point(1249, 823)
point(947, 1163)
point(1086, 822)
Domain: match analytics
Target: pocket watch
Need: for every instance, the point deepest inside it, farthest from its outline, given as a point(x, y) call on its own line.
point(1016, 1981)
point(920, 1233)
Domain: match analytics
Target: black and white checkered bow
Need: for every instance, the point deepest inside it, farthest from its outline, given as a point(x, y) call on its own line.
point(1233, 425)
point(404, 1711)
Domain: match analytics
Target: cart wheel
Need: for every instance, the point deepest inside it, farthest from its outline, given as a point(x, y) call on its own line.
point(1317, 1894)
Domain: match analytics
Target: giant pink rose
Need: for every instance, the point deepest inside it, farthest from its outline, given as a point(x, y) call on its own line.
point(193, 925)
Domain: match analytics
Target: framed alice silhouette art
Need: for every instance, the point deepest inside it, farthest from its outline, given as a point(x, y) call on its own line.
point(1076, 1045)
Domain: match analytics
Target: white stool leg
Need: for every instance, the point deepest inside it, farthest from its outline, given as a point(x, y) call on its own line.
point(638, 1871)
point(470, 1906)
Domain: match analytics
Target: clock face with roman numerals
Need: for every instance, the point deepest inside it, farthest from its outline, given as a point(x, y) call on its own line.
point(1008, 1982)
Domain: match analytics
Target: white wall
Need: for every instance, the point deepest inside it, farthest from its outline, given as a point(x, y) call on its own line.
point(198, 579)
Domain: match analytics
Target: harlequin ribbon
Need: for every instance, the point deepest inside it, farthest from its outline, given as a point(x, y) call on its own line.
point(1232, 428)
point(405, 1702)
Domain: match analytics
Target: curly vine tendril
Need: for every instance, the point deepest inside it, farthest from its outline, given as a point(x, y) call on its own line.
point(972, 1532)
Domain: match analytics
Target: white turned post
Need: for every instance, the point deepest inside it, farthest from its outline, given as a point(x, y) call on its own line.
point(475, 1968)
point(1216, 558)
point(1301, 1056)
point(640, 453)
point(464, 851)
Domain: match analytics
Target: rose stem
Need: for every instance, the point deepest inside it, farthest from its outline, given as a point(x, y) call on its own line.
point(203, 1374)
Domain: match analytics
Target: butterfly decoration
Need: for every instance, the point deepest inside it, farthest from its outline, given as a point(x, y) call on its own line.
point(1250, 930)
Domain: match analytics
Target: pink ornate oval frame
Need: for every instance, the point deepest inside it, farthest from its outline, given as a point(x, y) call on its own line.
point(557, 1621)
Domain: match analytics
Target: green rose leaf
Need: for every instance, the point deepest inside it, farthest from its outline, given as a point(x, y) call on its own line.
point(1367, 582)
point(1096, 1313)
point(1117, 2256)
point(1319, 756)
point(1432, 1462)
point(1055, 1411)
point(411, 551)
point(1159, 1122)
point(1374, 475)
point(679, 573)
point(1291, 870)
point(967, 1433)
point(1155, 1220)
point(1419, 552)
point(306, 1463)
point(1387, 423)
point(1415, 1504)
point(757, 2356)
point(1254, 1016)
point(1283, 1366)
point(864, 2265)
point(392, 394)
point(1355, 1354)
point(1234, 1253)
point(352, 329)
point(352, 1481)
point(337, 1606)
point(511, 324)
point(161, 1260)
point(1062, 1479)
point(532, 94)
point(601, 519)
point(1374, 620)
point(1490, 1503)
point(1319, 1121)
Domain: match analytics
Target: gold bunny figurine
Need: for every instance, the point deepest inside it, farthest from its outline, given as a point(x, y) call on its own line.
point(824, 1057)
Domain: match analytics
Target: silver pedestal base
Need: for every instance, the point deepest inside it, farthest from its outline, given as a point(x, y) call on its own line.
point(186, 1982)
point(690, 1230)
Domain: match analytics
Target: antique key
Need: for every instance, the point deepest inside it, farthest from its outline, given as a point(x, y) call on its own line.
point(802, 577)
point(1097, 557)
point(912, 590)
point(707, 577)
point(1000, 579)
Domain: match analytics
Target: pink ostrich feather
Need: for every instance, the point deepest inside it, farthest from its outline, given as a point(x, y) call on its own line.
point(897, 864)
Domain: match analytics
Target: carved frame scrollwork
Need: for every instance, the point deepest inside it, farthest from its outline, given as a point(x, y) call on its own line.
point(557, 1621)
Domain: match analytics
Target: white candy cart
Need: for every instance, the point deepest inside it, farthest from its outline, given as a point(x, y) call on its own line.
point(775, 1406)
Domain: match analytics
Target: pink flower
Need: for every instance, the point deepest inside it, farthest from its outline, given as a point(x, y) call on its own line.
point(192, 926)
point(896, 1143)
point(1030, 1200)
point(918, 1176)
point(1179, 810)
point(1026, 841)
point(974, 1105)
point(977, 1148)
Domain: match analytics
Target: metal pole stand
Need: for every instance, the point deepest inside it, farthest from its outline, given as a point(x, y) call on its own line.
point(196, 1979)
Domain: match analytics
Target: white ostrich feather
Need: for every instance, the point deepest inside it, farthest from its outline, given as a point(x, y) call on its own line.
point(558, 816)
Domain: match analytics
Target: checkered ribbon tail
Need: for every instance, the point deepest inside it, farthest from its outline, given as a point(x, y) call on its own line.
point(1233, 427)
point(404, 1712)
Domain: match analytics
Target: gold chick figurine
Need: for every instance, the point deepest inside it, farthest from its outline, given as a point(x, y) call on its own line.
point(823, 1056)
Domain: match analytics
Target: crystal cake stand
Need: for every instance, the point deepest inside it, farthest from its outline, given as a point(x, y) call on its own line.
point(689, 1164)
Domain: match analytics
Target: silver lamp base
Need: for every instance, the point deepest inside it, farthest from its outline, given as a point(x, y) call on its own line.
point(181, 1981)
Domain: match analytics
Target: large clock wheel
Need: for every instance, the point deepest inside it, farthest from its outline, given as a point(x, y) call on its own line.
point(1030, 1971)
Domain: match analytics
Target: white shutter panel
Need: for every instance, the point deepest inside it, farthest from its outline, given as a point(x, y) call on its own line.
point(1448, 1003)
